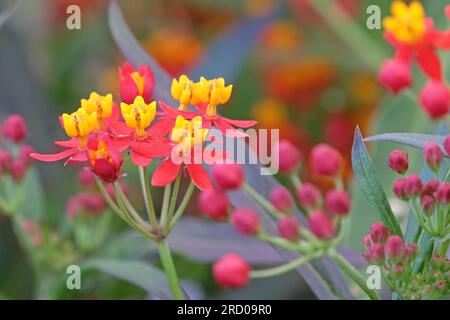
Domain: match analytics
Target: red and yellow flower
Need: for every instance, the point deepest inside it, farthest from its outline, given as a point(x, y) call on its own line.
point(135, 83)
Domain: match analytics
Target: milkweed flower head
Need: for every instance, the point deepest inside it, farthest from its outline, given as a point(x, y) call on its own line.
point(138, 115)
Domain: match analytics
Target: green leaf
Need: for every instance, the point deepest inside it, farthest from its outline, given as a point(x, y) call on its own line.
point(138, 273)
point(414, 140)
point(366, 177)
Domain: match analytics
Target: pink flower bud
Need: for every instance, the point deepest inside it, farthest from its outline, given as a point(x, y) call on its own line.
point(86, 178)
point(431, 187)
point(88, 203)
point(410, 252)
point(379, 233)
point(398, 161)
point(375, 254)
point(366, 241)
point(447, 11)
point(214, 204)
point(428, 203)
point(395, 75)
point(325, 160)
point(447, 145)
point(399, 189)
point(231, 271)
point(308, 195)
point(18, 169)
point(394, 247)
point(321, 225)
point(5, 160)
point(289, 156)
point(443, 193)
point(281, 199)
point(15, 128)
point(338, 202)
point(413, 185)
point(435, 99)
point(289, 228)
point(245, 221)
point(24, 154)
point(433, 155)
point(228, 176)
point(135, 83)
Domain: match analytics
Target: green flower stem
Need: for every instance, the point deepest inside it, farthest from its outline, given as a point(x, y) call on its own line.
point(121, 213)
point(296, 182)
point(347, 268)
point(444, 247)
point(148, 197)
point(283, 243)
point(165, 205)
point(266, 273)
point(129, 207)
point(183, 205)
point(169, 268)
point(173, 202)
point(262, 201)
point(419, 217)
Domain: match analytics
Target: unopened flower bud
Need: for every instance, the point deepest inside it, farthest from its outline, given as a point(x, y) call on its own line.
point(245, 221)
point(398, 161)
point(379, 233)
point(326, 160)
point(366, 241)
point(321, 225)
point(308, 195)
point(5, 160)
point(447, 146)
point(433, 155)
point(395, 75)
point(289, 228)
point(428, 203)
point(214, 204)
point(231, 271)
point(228, 176)
point(281, 199)
point(15, 128)
point(86, 178)
point(18, 169)
point(443, 193)
point(413, 185)
point(375, 254)
point(24, 154)
point(399, 189)
point(410, 252)
point(430, 187)
point(435, 99)
point(394, 247)
point(289, 156)
point(338, 202)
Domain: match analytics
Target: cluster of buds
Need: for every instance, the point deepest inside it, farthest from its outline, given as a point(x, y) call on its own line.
point(324, 217)
point(396, 260)
point(429, 201)
point(415, 38)
point(14, 155)
point(15, 160)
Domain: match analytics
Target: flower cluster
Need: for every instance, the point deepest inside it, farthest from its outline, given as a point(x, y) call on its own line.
point(324, 216)
point(429, 201)
point(415, 39)
point(99, 136)
point(396, 260)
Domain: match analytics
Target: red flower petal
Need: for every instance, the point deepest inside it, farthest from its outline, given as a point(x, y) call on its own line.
point(241, 123)
point(165, 173)
point(162, 127)
point(139, 160)
point(151, 149)
point(429, 63)
point(443, 40)
point(81, 156)
point(68, 143)
point(172, 112)
point(121, 143)
point(54, 157)
point(199, 176)
point(202, 107)
point(149, 82)
point(227, 129)
point(119, 128)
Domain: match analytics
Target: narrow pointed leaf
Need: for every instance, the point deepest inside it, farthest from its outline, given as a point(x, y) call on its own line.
point(367, 179)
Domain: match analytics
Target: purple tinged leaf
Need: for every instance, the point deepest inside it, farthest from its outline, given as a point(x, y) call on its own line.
point(210, 241)
point(8, 13)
